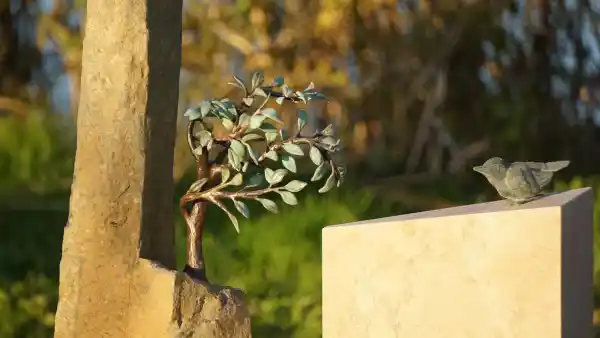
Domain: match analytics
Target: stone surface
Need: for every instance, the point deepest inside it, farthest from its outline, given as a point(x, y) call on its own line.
point(209, 311)
point(121, 208)
point(170, 304)
point(483, 270)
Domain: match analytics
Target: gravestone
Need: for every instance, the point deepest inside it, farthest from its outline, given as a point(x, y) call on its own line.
point(117, 276)
point(483, 270)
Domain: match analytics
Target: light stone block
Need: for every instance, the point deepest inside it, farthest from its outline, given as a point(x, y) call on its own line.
point(477, 271)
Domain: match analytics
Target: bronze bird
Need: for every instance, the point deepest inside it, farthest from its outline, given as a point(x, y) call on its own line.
point(519, 182)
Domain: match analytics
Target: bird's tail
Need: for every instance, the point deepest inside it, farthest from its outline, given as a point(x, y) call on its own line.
point(556, 166)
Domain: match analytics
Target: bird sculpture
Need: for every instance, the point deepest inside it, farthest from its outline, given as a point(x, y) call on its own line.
point(519, 182)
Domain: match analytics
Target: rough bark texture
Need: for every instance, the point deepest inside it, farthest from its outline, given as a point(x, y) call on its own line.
point(121, 222)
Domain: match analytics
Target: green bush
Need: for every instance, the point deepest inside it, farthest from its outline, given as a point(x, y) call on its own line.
point(36, 153)
point(27, 307)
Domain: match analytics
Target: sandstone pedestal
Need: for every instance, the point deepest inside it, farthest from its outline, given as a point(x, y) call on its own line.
point(484, 270)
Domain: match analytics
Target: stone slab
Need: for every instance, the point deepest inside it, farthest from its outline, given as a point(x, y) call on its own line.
point(483, 270)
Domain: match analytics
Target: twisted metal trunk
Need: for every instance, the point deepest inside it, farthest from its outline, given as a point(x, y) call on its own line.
point(194, 220)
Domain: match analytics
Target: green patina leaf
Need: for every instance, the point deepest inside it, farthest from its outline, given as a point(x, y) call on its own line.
point(319, 172)
point(237, 180)
point(268, 204)
point(225, 174)
point(272, 154)
point(278, 81)
point(271, 136)
point(293, 149)
point(315, 155)
point(274, 177)
point(244, 120)
point(259, 92)
point(241, 207)
point(257, 79)
point(288, 162)
point(193, 114)
point(327, 131)
point(235, 222)
point(251, 153)
point(286, 91)
point(271, 113)
point(329, 184)
point(256, 120)
point(295, 186)
point(234, 160)
point(251, 137)
point(330, 141)
point(199, 112)
point(301, 96)
point(240, 83)
point(197, 186)
point(302, 119)
point(227, 124)
point(204, 136)
point(238, 148)
point(288, 197)
point(269, 175)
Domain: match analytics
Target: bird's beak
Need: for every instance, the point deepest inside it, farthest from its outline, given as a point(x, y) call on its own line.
point(479, 169)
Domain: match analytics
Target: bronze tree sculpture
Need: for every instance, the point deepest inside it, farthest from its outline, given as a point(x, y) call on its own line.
point(252, 159)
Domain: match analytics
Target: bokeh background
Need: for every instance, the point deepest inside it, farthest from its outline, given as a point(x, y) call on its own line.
point(420, 91)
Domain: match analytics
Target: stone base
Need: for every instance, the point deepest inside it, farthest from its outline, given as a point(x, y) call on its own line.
point(203, 311)
point(160, 303)
point(175, 305)
point(483, 270)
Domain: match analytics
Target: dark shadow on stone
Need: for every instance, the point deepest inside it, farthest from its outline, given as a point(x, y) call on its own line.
point(577, 262)
point(157, 238)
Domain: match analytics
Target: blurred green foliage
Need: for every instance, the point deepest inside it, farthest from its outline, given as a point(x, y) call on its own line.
point(27, 307)
point(34, 153)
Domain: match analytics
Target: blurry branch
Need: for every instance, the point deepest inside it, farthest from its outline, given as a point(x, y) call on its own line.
point(432, 102)
point(13, 105)
point(232, 38)
point(429, 71)
point(429, 122)
point(462, 156)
